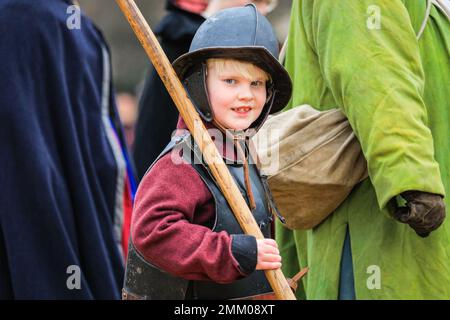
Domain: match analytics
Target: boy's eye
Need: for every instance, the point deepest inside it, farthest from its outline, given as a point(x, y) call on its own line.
point(230, 81)
point(257, 83)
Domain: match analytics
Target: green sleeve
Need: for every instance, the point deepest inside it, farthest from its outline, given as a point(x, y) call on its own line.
point(376, 77)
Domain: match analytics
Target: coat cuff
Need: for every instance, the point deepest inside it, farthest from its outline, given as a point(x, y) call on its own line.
point(245, 251)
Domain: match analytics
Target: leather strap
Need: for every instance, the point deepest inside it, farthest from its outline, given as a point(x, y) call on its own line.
point(293, 282)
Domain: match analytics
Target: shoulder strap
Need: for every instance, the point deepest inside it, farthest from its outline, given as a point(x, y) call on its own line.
point(282, 56)
point(425, 20)
point(442, 5)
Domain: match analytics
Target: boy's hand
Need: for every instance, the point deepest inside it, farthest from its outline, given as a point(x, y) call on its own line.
point(268, 255)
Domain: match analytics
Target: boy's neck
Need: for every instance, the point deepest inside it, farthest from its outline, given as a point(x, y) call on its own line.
point(223, 144)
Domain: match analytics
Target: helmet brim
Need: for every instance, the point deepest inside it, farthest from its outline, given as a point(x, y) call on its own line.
point(258, 56)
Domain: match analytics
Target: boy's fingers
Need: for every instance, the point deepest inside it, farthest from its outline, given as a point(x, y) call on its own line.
point(270, 249)
point(272, 258)
point(271, 242)
point(269, 265)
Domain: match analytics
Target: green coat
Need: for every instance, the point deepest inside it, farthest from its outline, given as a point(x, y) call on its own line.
point(337, 57)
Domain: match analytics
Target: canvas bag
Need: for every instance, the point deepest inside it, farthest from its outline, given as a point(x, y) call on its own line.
point(312, 160)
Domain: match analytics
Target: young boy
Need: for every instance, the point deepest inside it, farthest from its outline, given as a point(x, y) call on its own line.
point(186, 242)
point(157, 113)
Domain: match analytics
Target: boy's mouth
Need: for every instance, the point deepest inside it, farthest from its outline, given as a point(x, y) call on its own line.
point(242, 110)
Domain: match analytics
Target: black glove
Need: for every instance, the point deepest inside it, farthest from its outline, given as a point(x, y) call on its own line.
point(424, 212)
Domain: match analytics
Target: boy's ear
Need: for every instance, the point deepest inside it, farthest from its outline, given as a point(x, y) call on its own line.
point(195, 84)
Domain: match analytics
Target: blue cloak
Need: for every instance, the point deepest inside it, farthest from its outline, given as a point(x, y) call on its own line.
point(63, 164)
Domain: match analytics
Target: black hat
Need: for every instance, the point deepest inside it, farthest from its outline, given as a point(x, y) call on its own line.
point(237, 33)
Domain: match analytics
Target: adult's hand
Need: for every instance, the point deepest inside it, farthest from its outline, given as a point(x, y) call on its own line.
point(424, 212)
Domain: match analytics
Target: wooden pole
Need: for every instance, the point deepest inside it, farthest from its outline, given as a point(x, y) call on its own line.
point(195, 125)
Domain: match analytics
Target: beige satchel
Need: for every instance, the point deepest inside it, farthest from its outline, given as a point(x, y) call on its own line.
point(312, 159)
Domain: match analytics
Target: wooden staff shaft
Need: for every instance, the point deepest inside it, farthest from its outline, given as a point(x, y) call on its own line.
point(195, 125)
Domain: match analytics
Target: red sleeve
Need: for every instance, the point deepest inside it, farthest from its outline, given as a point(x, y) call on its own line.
point(170, 200)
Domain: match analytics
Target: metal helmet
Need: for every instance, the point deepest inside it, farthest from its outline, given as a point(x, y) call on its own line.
point(236, 33)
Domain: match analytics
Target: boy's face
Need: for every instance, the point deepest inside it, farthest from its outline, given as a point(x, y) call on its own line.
point(236, 100)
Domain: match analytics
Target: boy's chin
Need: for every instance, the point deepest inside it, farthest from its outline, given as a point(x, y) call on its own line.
point(239, 128)
point(239, 125)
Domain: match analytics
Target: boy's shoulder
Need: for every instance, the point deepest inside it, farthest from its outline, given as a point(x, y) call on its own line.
point(172, 176)
point(172, 167)
point(172, 162)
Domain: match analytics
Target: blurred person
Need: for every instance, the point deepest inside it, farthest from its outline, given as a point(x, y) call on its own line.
point(66, 187)
point(127, 107)
point(386, 65)
point(264, 6)
point(158, 115)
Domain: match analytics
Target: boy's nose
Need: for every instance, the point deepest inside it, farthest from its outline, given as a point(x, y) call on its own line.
point(245, 93)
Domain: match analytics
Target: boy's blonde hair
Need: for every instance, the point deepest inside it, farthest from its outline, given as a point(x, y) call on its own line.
point(245, 69)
